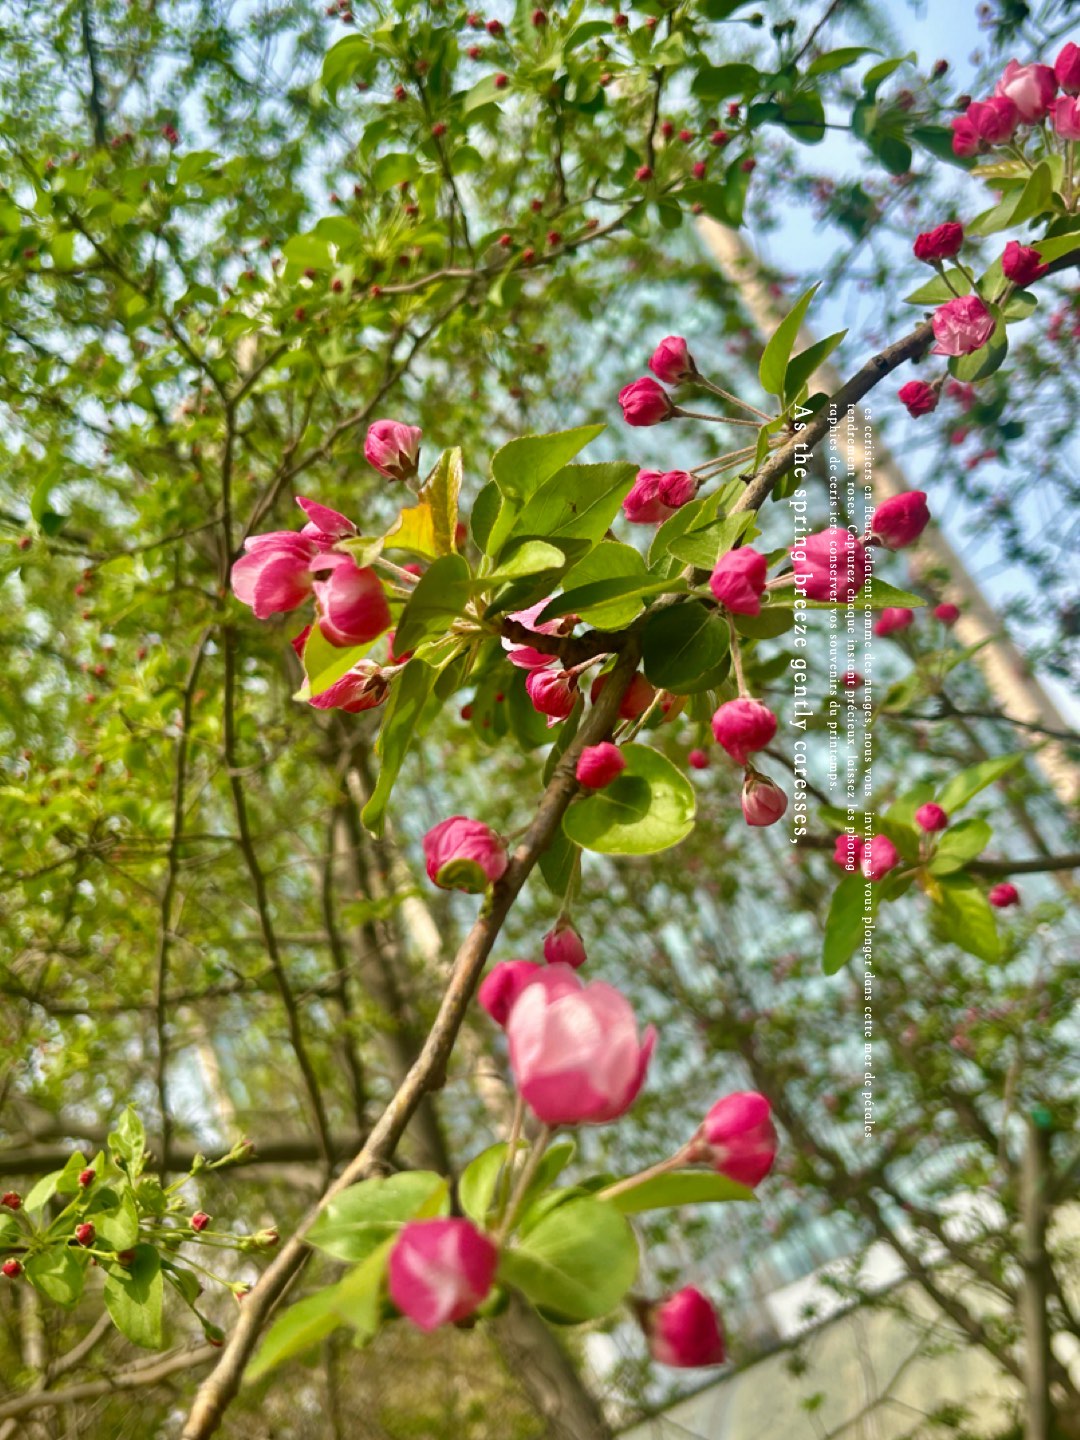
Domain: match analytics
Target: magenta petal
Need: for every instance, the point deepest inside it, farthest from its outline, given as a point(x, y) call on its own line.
point(328, 522)
point(281, 584)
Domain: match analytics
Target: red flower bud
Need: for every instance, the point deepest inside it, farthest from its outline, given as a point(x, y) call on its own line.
point(563, 946)
point(599, 764)
point(743, 726)
point(900, 520)
point(85, 1234)
point(200, 1220)
point(919, 397)
point(1003, 895)
point(1022, 263)
point(11, 1200)
point(684, 1331)
point(698, 760)
point(643, 174)
point(86, 1177)
point(892, 619)
point(12, 1269)
point(941, 243)
point(947, 613)
point(931, 817)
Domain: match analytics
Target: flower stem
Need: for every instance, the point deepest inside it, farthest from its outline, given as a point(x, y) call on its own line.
point(732, 399)
point(716, 419)
point(524, 1180)
point(632, 1181)
point(736, 660)
point(511, 1154)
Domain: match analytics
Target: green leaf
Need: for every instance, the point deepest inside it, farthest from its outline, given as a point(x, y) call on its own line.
point(1036, 194)
point(804, 116)
point(41, 1192)
point(403, 711)
point(134, 1295)
point(440, 493)
point(803, 365)
point(845, 926)
point(966, 917)
point(703, 546)
point(390, 170)
point(578, 501)
point(774, 360)
point(686, 648)
point(477, 1183)
point(360, 1218)
point(678, 1187)
point(879, 73)
point(325, 664)
point(520, 467)
point(649, 807)
point(959, 844)
point(485, 515)
point(941, 289)
point(717, 82)
point(838, 59)
point(439, 599)
point(58, 1273)
point(602, 594)
point(343, 60)
point(128, 1140)
point(610, 561)
point(115, 1218)
point(577, 1263)
point(534, 557)
point(966, 784)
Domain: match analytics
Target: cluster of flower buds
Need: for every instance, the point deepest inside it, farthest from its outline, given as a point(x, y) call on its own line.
point(645, 401)
point(1025, 95)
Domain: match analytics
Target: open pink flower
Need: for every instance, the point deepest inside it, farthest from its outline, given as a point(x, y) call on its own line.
point(738, 580)
point(1031, 88)
point(275, 574)
point(684, 1331)
point(574, 1049)
point(830, 565)
point(393, 448)
point(440, 1271)
point(737, 1138)
point(351, 601)
point(323, 523)
point(993, 121)
point(527, 657)
point(502, 985)
point(962, 326)
point(464, 854)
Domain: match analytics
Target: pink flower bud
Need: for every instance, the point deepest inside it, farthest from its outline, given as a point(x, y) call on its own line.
point(363, 688)
point(1003, 895)
point(11, 1268)
point(737, 1138)
point(1022, 263)
point(931, 817)
point(672, 362)
point(502, 985)
point(738, 580)
point(393, 449)
point(900, 520)
point(464, 854)
point(527, 657)
point(86, 1177)
point(743, 726)
point(85, 1234)
point(947, 613)
point(440, 1271)
point(994, 121)
point(830, 565)
point(1067, 118)
point(563, 946)
point(552, 692)
point(851, 680)
point(643, 505)
point(637, 699)
point(848, 850)
point(599, 764)
point(698, 760)
point(1067, 68)
point(699, 169)
point(676, 488)
point(962, 326)
point(941, 243)
point(1031, 88)
point(200, 1220)
point(763, 801)
point(965, 140)
point(919, 397)
point(11, 1200)
point(684, 1331)
point(892, 619)
point(879, 856)
point(351, 601)
point(644, 402)
point(574, 1049)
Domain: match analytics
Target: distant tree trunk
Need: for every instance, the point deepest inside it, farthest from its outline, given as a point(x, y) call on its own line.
point(1033, 1257)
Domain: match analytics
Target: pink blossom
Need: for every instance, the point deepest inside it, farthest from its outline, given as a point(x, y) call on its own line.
point(363, 688)
point(892, 619)
point(552, 692)
point(574, 1049)
point(684, 1331)
point(502, 985)
point(848, 850)
point(351, 602)
point(941, 243)
point(440, 1271)
point(900, 520)
point(1031, 88)
point(676, 488)
point(698, 760)
point(672, 362)
point(931, 817)
point(743, 726)
point(994, 121)
point(1067, 68)
point(599, 764)
point(637, 699)
point(919, 397)
point(275, 574)
point(563, 945)
point(879, 856)
point(393, 449)
point(643, 505)
point(738, 580)
point(947, 613)
point(464, 854)
point(527, 657)
point(1022, 264)
point(763, 801)
point(961, 326)
point(830, 565)
point(1003, 895)
point(1067, 117)
point(965, 140)
point(323, 523)
point(737, 1138)
point(644, 402)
